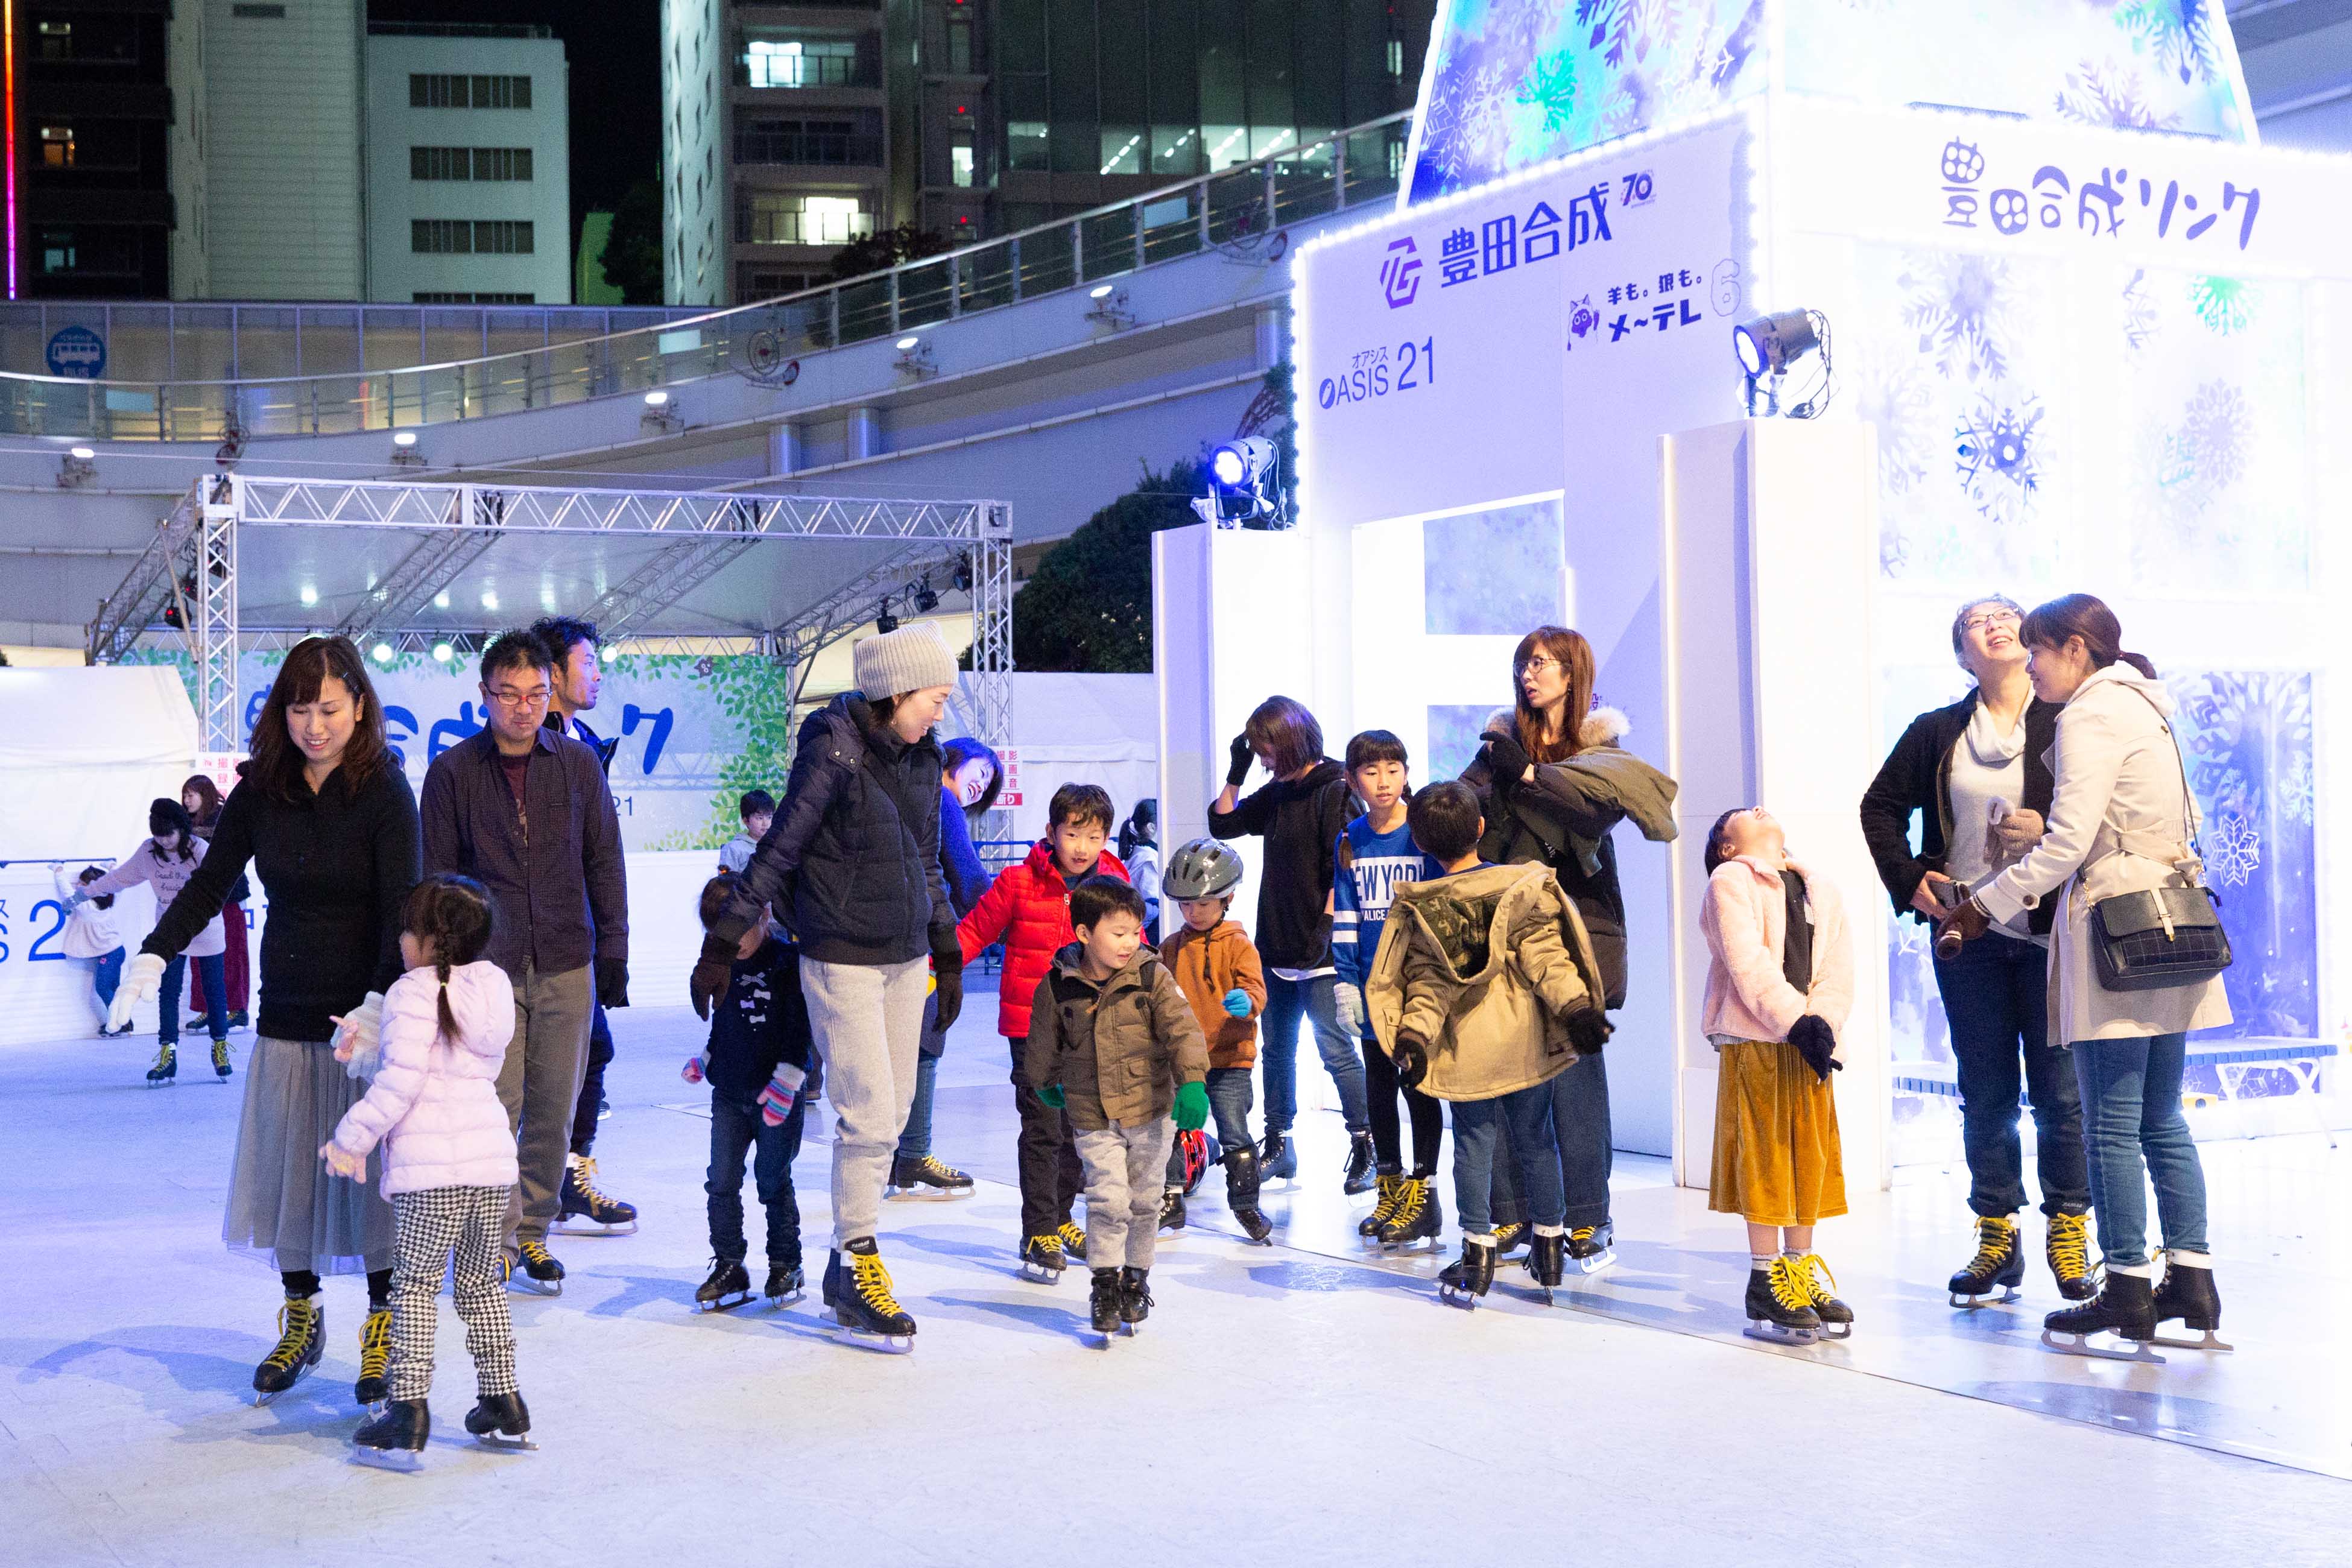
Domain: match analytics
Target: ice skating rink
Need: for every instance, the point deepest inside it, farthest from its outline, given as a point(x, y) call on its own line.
point(1303, 1403)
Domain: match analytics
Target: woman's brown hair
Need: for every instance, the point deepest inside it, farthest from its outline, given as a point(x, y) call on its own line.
point(202, 786)
point(276, 764)
point(1282, 728)
point(1574, 656)
point(2081, 615)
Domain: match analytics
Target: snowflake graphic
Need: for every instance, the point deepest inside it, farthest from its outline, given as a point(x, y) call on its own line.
point(1550, 86)
point(2178, 33)
point(1962, 308)
point(1997, 455)
point(1901, 406)
point(2233, 852)
point(2248, 742)
point(2141, 319)
point(2226, 305)
point(2109, 96)
point(2206, 453)
point(2292, 793)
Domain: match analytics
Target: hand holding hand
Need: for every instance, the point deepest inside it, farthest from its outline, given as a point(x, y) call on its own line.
point(1191, 1107)
point(1239, 757)
point(1817, 1043)
point(1411, 1057)
point(947, 980)
point(1348, 1002)
point(142, 978)
point(712, 971)
point(342, 1163)
point(1052, 1095)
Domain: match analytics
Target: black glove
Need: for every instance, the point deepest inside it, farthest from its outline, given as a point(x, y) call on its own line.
point(1242, 757)
point(1506, 759)
point(947, 974)
point(1411, 1057)
point(612, 982)
point(711, 973)
point(1587, 1030)
point(1815, 1040)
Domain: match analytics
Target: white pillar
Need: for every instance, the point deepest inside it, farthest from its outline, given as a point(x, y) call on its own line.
point(784, 449)
point(1273, 334)
point(865, 431)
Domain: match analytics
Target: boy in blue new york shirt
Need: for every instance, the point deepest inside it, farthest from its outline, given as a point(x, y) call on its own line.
point(1375, 856)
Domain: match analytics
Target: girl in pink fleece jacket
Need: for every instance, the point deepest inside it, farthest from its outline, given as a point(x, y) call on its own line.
point(448, 1160)
point(1779, 983)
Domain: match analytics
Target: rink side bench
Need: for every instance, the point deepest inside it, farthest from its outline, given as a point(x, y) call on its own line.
point(2302, 1060)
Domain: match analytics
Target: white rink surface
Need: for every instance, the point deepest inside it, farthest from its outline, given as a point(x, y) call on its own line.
point(1293, 1406)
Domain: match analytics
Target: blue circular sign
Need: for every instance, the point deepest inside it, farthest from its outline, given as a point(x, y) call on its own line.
point(77, 352)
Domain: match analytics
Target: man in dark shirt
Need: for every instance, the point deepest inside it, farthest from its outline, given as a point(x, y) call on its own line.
point(525, 811)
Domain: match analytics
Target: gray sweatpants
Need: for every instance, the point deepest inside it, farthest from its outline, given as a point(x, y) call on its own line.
point(538, 1083)
point(868, 1023)
point(1123, 1169)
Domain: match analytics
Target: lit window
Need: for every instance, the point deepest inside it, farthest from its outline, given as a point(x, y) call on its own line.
point(960, 168)
point(58, 146)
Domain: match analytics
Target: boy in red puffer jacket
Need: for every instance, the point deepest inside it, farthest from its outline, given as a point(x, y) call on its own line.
point(1028, 908)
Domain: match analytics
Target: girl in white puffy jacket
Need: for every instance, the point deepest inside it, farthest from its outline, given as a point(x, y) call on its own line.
point(448, 1159)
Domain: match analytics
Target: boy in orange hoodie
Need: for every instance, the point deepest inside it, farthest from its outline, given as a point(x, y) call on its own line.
point(1215, 964)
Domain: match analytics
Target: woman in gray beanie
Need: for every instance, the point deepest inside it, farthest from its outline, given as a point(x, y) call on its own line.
point(851, 868)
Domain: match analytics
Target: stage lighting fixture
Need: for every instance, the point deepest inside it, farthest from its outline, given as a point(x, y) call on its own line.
point(441, 653)
point(656, 399)
point(661, 416)
point(1770, 347)
point(963, 574)
point(926, 598)
point(1110, 307)
point(77, 467)
point(1243, 485)
point(915, 357)
point(309, 595)
point(489, 600)
point(441, 600)
point(383, 653)
point(403, 450)
point(884, 621)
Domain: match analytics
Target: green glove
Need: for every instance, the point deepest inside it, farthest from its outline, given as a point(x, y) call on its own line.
point(1052, 1095)
point(1191, 1107)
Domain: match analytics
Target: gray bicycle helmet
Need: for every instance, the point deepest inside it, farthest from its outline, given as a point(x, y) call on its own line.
point(1203, 869)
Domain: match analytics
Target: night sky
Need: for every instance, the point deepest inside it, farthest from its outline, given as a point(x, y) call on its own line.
point(615, 49)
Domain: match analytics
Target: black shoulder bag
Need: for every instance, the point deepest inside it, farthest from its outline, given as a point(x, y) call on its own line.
point(2163, 937)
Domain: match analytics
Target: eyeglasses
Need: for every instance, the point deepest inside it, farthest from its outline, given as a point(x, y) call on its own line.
point(1542, 664)
point(506, 697)
point(1993, 618)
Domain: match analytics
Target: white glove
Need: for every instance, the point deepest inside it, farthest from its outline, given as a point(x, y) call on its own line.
point(1348, 1003)
point(142, 978)
point(357, 1045)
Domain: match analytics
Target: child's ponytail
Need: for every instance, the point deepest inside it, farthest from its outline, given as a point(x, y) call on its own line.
point(451, 916)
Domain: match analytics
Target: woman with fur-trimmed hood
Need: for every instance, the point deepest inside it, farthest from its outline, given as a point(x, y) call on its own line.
point(1554, 781)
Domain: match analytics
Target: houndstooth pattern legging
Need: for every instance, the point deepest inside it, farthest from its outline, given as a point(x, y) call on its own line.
point(430, 1226)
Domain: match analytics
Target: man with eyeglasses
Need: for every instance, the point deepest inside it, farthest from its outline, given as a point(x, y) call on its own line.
point(1976, 774)
point(523, 809)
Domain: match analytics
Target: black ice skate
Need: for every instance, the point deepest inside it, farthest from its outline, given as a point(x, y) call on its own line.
point(1103, 1304)
point(1172, 1209)
point(1779, 1309)
point(2068, 1247)
point(1073, 1240)
point(167, 1065)
point(302, 1340)
point(785, 1283)
point(2125, 1308)
point(500, 1421)
point(1821, 1286)
point(1135, 1301)
point(1418, 1218)
point(1241, 1193)
point(1042, 1259)
point(1509, 1239)
point(1546, 1261)
point(536, 1270)
point(1461, 1282)
point(1593, 1248)
point(1278, 1160)
point(220, 1059)
point(375, 1357)
point(925, 1177)
point(397, 1436)
point(1391, 1185)
point(857, 1289)
point(2188, 1294)
point(727, 1288)
point(1356, 1176)
point(585, 1210)
point(1998, 1265)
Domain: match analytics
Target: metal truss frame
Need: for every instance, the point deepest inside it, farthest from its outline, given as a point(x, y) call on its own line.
point(185, 582)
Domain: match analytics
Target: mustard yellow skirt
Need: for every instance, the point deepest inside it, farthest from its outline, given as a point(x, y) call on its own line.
point(1776, 1159)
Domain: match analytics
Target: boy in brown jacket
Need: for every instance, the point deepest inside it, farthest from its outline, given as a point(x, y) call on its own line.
point(1113, 1042)
point(1217, 968)
point(1484, 988)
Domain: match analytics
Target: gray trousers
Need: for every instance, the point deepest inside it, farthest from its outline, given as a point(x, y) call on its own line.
point(538, 1083)
point(1123, 1169)
point(868, 1023)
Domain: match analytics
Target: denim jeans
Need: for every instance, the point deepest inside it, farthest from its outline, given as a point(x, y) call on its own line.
point(2131, 1111)
point(1229, 1108)
point(167, 998)
point(1582, 1134)
point(1316, 1001)
point(1996, 997)
point(1526, 1113)
point(736, 1125)
point(106, 974)
point(915, 1141)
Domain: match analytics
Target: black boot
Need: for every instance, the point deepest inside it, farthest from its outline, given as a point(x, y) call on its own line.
point(729, 1286)
point(1172, 1208)
point(500, 1421)
point(785, 1282)
point(1780, 1308)
point(1547, 1257)
point(1998, 1265)
point(1276, 1160)
point(2187, 1295)
point(2068, 1245)
point(1358, 1175)
point(302, 1340)
point(1103, 1303)
point(2124, 1307)
point(1241, 1193)
point(1468, 1276)
point(1391, 1185)
point(404, 1426)
point(1134, 1296)
point(1418, 1216)
point(857, 1289)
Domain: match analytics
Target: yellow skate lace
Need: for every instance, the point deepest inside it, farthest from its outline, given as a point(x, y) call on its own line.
point(296, 1322)
point(1582, 1232)
point(220, 1055)
point(931, 1165)
point(583, 1176)
point(1505, 1237)
point(164, 1055)
point(375, 1344)
point(1072, 1238)
point(1789, 1286)
point(2070, 1245)
point(872, 1282)
point(1813, 1278)
point(1050, 1242)
point(1391, 1195)
point(535, 1252)
point(1412, 1198)
point(1996, 1237)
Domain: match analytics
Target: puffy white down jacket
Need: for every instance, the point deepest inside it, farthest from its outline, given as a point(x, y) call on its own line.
point(434, 1101)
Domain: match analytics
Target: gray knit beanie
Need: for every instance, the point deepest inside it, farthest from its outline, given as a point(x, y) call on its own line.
point(909, 659)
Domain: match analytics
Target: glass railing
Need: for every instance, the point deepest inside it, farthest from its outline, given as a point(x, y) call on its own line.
point(1237, 209)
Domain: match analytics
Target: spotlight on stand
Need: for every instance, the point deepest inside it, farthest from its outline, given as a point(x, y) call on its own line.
point(1770, 347)
point(77, 467)
point(914, 357)
point(1242, 486)
point(926, 598)
point(884, 621)
point(1110, 307)
point(661, 416)
point(403, 450)
point(964, 575)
